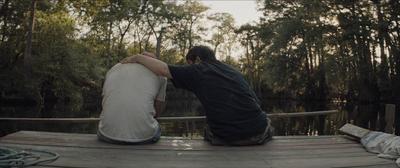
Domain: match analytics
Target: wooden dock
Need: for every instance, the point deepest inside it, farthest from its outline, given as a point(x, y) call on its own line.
point(85, 151)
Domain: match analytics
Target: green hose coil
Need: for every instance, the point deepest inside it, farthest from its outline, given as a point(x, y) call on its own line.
point(24, 158)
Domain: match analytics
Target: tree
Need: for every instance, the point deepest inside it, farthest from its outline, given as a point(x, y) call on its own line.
point(254, 56)
point(160, 16)
point(109, 22)
point(346, 46)
point(224, 37)
point(28, 49)
point(188, 30)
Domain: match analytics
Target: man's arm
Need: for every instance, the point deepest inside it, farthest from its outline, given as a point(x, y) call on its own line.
point(158, 67)
point(159, 101)
point(159, 106)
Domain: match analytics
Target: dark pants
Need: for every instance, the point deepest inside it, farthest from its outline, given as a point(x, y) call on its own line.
point(254, 140)
point(112, 141)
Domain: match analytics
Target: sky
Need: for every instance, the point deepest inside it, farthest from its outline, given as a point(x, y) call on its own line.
point(243, 11)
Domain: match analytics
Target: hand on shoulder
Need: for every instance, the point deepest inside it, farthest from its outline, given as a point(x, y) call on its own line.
point(131, 59)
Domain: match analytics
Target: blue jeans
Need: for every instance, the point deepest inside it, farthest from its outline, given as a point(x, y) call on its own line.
point(152, 140)
point(254, 140)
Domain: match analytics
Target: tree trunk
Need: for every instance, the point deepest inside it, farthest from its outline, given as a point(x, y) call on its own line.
point(4, 13)
point(383, 70)
point(28, 49)
point(159, 42)
point(109, 45)
point(122, 35)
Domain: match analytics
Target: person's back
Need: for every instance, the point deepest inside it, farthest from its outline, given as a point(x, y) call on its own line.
point(129, 93)
point(232, 109)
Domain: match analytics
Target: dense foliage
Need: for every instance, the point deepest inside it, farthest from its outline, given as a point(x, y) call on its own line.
point(318, 52)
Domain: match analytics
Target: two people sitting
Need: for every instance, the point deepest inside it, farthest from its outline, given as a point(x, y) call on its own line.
point(134, 93)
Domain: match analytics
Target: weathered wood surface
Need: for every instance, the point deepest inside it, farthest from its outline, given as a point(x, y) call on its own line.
point(390, 110)
point(354, 131)
point(84, 151)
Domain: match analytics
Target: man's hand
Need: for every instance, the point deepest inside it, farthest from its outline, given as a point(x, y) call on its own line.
point(159, 106)
point(131, 59)
point(156, 66)
point(152, 55)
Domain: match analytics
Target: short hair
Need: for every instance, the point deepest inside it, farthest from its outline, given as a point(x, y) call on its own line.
point(203, 52)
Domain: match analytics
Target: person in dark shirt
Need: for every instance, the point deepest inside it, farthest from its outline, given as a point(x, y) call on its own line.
point(234, 115)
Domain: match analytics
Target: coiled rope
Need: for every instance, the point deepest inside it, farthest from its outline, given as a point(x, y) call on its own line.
point(24, 158)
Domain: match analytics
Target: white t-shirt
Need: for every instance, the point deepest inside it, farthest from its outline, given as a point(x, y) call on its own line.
point(129, 92)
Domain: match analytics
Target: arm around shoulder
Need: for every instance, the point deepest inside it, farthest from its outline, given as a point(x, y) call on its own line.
point(158, 67)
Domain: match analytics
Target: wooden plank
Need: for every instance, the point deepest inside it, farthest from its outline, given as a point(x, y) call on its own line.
point(194, 118)
point(190, 146)
point(76, 156)
point(85, 157)
point(84, 151)
point(302, 114)
point(354, 131)
point(50, 120)
point(90, 141)
point(381, 165)
point(29, 135)
point(390, 110)
point(338, 161)
point(272, 154)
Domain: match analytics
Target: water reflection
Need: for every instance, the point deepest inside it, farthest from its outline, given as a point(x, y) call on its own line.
point(310, 126)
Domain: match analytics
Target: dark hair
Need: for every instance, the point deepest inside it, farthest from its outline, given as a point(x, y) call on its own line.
point(203, 52)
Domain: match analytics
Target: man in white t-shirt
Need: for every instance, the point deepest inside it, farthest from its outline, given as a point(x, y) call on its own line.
point(132, 97)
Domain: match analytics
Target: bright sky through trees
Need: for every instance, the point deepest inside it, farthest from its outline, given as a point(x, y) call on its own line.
point(243, 11)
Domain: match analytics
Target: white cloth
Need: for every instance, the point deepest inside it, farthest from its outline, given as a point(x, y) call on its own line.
point(384, 144)
point(129, 92)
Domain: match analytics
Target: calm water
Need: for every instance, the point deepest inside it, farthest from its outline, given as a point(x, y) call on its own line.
point(191, 129)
